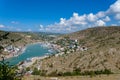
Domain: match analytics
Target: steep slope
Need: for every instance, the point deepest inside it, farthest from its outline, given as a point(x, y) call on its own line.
point(103, 52)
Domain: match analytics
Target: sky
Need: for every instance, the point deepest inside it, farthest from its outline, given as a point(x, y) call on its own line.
point(59, 16)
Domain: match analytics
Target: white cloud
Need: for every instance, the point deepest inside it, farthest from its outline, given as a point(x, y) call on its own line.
point(41, 26)
point(114, 8)
point(100, 14)
point(2, 26)
point(14, 22)
point(106, 19)
point(63, 21)
point(91, 17)
point(29, 30)
point(100, 23)
point(117, 16)
point(78, 22)
point(76, 19)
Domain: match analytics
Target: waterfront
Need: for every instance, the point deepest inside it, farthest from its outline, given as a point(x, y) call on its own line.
point(32, 50)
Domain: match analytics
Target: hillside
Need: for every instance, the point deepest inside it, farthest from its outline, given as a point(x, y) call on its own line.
point(10, 41)
point(18, 38)
point(102, 51)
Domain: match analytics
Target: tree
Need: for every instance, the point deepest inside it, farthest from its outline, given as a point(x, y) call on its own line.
point(7, 72)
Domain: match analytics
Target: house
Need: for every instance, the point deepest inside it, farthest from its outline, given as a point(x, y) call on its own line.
point(76, 40)
point(9, 48)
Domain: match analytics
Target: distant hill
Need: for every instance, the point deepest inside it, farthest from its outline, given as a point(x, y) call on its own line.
point(103, 52)
point(47, 35)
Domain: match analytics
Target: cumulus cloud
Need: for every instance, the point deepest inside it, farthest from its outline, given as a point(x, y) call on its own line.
point(114, 8)
point(76, 19)
point(77, 22)
point(100, 23)
point(91, 17)
point(100, 14)
point(2, 26)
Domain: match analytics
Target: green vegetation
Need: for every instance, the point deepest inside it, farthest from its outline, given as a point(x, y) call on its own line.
point(36, 71)
point(28, 69)
point(8, 72)
point(78, 72)
point(39, 72)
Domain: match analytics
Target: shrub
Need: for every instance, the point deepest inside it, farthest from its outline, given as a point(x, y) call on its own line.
point(28, 69)
point(36, 71)
point(8, 72)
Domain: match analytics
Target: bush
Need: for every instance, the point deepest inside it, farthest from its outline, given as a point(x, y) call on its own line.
point(67, 74)
point(106, 71)
point(8, 72)
point(36, 71)
point(39, 72)
point(28, 69)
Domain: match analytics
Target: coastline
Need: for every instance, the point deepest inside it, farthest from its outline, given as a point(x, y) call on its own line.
point(21, 51)
point(33, 59)
point(30, 61)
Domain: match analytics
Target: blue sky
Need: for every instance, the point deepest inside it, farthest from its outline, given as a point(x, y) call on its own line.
point(61, 16)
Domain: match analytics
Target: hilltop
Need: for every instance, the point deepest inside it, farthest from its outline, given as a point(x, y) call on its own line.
point(94, 50)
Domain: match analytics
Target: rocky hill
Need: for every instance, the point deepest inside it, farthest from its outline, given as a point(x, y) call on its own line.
point(102, 53)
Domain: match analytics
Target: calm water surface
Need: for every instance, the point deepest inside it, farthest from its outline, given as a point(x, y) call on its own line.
point(32, 50)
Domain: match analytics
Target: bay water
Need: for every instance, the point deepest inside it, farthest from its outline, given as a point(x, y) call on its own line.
point(32, 50)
